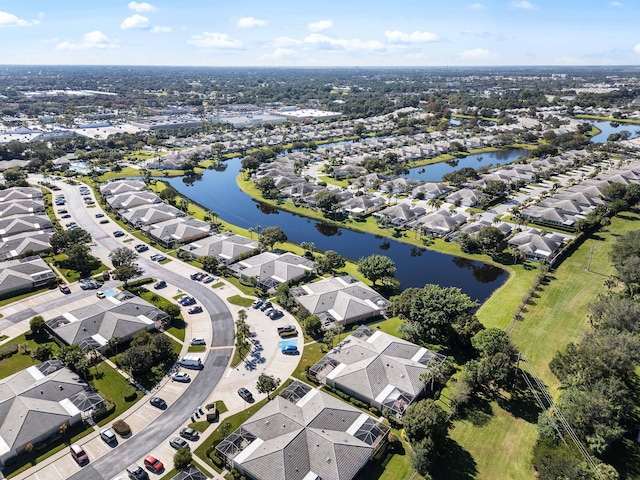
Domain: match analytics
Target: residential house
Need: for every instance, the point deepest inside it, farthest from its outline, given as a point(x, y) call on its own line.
point(467, 197)
point(35, 402)
point(430, 190)
point(377, 368)
point(122, 316)
point(130, 200)
point(25, 243)
point(227, 248)
point(19, 224)
point(151, 214)
point(303, 434)
point(536, 246)
point(20, 193)
point(178, 230)
point(119, 187)
point(21, 208)
point(340, 300)
point(271, 269)
point(400, 214)
point(24, 275)
point(439, 223)
point(361, 205)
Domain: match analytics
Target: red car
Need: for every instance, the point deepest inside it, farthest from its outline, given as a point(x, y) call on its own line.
point(153, 464)
point(64, 289)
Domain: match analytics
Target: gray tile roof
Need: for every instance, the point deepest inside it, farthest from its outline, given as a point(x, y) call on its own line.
point(288, 441)
point(33, 405)
point(367, 363)
point(121, 186)
point(106, 319)
point(228, 248)
point(151, 214)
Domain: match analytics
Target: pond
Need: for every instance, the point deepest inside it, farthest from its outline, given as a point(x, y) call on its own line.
point(435, 171)
point(218, 191)
point(607, 129)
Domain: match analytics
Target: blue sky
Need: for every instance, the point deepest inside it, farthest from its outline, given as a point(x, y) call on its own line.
point(320, 32)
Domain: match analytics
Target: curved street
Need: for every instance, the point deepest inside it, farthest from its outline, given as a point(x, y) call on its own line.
point(201, 386)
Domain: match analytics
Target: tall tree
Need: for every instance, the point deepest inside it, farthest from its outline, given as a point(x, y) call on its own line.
point(267, 384)
point(272, 235)
point(122, 255)
point(377, 267)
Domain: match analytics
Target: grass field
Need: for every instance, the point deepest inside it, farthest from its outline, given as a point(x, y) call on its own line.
point(111, 386)
point(22, 359)
point(499, 442)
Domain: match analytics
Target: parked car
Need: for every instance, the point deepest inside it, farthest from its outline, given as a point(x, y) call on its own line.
point(64, 289)
point(208, 279)
point(245, 394)
point(258, 303)
point(108, 436)
point(118, 233)
point(266, 305)
point(136, 472)
point(290, 350)
point(158, 403)
point(160, 284)
point(197, 276)
point(100, 295)
point(181, 377)
point(189, 433)
point(99, 215)
point(186, 301)
point(157, 257)
point(104, 220)
point(195, 309)
point(63, 211)
point(153, 464)
point(78, 454)
point(141, 247)
point(178, 443)
point(198, 341)
point(66, 215)
point(275, 314)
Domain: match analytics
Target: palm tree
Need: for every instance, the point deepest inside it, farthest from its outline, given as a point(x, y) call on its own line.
point(113, 343)
point(435, 203)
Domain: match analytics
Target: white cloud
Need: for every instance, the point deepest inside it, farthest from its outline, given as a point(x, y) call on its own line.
point(10, 20)
point(477, 6)
point(160, 29)
point(250, 22)
point(214, 40)
point(637, 48)
point(95, 39)
point(141, 7)
point(525, 5)
point(616, 4)
point(475, 53)
point(320, 25)
point(397, 36)
point(284, 42)
point(134, 21)
point(280, 53)
point(351, 45)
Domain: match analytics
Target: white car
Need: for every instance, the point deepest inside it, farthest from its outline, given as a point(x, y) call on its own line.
point(100, 294)
point(181, 377)
point(198, 341)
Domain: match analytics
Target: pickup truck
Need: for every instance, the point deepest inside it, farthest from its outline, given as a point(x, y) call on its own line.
point(287, 331)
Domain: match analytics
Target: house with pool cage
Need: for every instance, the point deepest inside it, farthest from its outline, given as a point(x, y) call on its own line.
point(303, 434)
point(377, 368)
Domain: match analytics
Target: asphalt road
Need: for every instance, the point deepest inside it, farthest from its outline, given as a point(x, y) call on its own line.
point(109, 465)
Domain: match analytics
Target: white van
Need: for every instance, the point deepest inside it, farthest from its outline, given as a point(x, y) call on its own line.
point(191, 361)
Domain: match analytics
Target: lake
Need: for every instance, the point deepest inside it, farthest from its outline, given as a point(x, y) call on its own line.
point(218, 191)
point(435, 171)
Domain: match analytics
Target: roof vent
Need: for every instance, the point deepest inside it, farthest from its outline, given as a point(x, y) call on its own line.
point(60, 387)
point(328, 460)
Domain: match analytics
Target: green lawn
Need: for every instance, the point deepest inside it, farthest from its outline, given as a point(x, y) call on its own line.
point(178, 325)
point(21, 360)
point(310, 356)
point(240, 301)
point(499, 442)
point(60, 261)
point(111, 385)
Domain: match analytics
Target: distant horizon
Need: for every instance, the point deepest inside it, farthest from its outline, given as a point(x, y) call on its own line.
point(341, 67)
point(331, 33)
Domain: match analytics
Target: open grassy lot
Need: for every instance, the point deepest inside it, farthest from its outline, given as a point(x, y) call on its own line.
point(608, 119)
point(499, 442)
point(70, 275)
point(240, 300)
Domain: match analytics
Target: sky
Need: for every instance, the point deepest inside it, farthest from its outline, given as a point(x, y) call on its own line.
point(320, 33)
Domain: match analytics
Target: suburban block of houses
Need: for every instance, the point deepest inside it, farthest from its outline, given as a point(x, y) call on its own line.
point(23, 275)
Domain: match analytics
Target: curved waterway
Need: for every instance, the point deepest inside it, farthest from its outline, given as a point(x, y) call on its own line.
point(218, 191)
